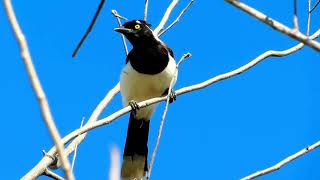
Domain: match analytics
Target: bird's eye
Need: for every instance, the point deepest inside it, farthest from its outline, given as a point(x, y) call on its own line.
point(137, 26)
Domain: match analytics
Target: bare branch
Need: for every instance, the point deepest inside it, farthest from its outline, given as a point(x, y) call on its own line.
point(36, 85)
point(314, 7)
point(295, 16)
point(177, 19)
point(89, 28)
point(309, 18)
point(47, 160)
point(115, 164)
point(115, 13)
point(165, 17)
point(276, 25)
point(76, 148)
point(53, 175)
point(145, 15)
point(283, 162)
point(184, 57)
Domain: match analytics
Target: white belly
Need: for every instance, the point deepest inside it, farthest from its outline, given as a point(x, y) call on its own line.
point(139, 87)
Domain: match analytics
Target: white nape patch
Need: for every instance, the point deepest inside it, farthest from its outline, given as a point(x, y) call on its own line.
point(139, 87)
point(138, 22)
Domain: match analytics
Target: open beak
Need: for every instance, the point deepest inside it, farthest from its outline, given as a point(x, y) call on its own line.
point(123, 30)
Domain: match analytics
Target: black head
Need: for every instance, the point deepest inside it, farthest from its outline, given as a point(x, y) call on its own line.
point(136, 31)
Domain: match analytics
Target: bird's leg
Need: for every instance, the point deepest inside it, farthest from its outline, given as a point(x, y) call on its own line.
point(134, 106)
point(172, 95)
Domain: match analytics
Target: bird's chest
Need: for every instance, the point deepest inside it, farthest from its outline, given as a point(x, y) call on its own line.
point(138, 86)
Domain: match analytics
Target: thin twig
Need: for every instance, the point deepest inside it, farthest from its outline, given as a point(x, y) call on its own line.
point(115, 13)
point(93, 21)
point(315, 6)
point(52, 175)
point(165, 17)
point(177, 19)
point(184, 57)
point(275, 24)
point(47, 160)
point(309, 18)
point(36, 85)
point(283, 162)
point(145, 15)
point(114, 173)
point(295, 16)
point(76, 148)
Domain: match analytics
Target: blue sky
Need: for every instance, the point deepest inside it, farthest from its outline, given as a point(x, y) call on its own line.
point(226, 131)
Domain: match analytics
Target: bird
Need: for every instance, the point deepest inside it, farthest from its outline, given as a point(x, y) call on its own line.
point(150, 67)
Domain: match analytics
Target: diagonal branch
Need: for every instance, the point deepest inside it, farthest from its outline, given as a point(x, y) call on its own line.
point(47, 160)
point(184, 57)
point(36, 85)
point(315, 6)
point(75, 149)
point(177, 19)
point(276, 25)
point(283, 162)
point(165, 17)
point(52, 175)
point(89, 28)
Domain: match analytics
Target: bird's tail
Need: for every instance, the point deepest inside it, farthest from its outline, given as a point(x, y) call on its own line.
point(135, 154)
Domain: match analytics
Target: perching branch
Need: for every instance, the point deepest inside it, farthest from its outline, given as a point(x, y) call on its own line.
point(115, 13)
point(177, 19)
point(276, 25)
point(36, 85)
point(165, 17)
point(47, 160)
point(283, 162)
point(174, 78)
point(89, 28)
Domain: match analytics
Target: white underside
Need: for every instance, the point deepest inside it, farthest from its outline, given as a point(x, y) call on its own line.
point(139, 87)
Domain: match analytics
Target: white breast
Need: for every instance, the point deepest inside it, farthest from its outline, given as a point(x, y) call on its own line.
point(140, 87)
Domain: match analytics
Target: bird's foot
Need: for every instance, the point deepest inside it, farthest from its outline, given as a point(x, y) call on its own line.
point(172, 96)
point(134, 106)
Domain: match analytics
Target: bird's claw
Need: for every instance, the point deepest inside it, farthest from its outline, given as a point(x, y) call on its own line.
point(172, 96)
point(134, 106)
